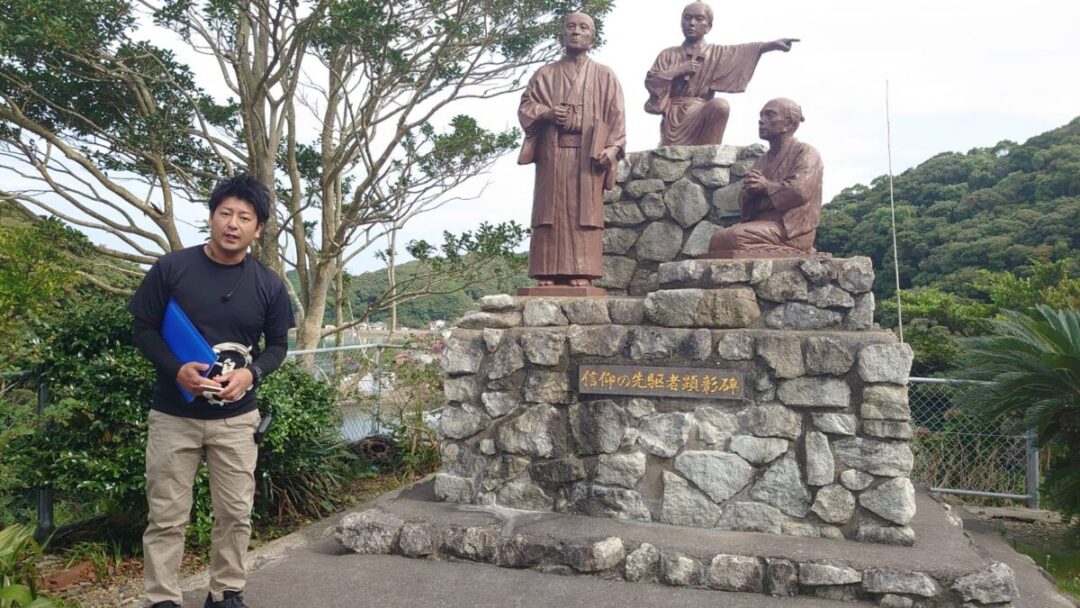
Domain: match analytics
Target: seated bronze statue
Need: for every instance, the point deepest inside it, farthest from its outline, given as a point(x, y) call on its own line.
point(780, 201)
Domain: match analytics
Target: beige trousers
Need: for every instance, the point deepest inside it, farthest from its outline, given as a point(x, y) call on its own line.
point(174, 449)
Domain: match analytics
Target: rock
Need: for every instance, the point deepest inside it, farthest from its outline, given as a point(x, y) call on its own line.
point(898, 581)
point(714, 156)
point(462, 422)
point(715, 177)
point(886, 429)
point(619, 240)
point(781, 486)
point(418, 539)
point(686, 202)
point(587, 311)
point(721, 475)
point(639, 408)
point(518, 552)
point(622, 171)
point(543, 347)
point(796, 315)
point(869, 532)
point(487, 446)
point(861, 316)
point(751, 152)
point(677, 307)
point(828, 356)
point(886, 402)
point(752, 517)
point(993, 585)
point(895, 601)
point(617, 272)
point(760, 271)
point(463, 352)
point(856, 274)
point(498, 404)
point(500, 301)
point(816, 575)
point(641, 564)
point(783, 286)
point(781, 578)
point(715, 427)
point(604, 501)
point(814, 391)
point(652, 205)
point(783, 354)
point(662, 343)
point(623, 470)
point(736, 573)
point(612, 196)
point(834, 504)
point(674, 152)
point(540, 313)
point(876, 457)
point(830, 296)
point(893, 500)
point(530, 433)
point(885, 362)
point(856, 481)
point(622, 214)
point(523, 495)
point(597, 556)
point(836, 424)
point(508, 359)
point(626, 311)
point(506, 467)
point(668, 170)
point(771, 420)
point(370, 532)
point(460, 461)
point(664, 434)
point(733, 307)
point(698, 241)
point(683, 271)
point(643, 282)
point(818, 270)
point(805, 530)
point(736, 346)
point(758, 450)
point(492, 338)
point(684, 505)
point(722, 273)
point(679, 570)
point(820, 468)
point(639, 188)
point(660, 242)
point(475, 544)
point(560, 470)
point(547, 387)
point(494, 320)
point(462, 389)
point(725, 202)
point(597, 340)
point(598, 426)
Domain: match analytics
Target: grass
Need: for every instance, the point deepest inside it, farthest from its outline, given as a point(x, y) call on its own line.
point(1063, 565)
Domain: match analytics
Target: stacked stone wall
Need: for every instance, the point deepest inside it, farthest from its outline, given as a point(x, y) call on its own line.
point(666, 205)
point(816, 446)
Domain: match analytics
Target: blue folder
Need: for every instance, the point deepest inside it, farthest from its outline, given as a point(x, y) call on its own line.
point(185, 342)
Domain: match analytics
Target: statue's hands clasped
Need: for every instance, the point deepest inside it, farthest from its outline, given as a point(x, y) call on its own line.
point(755, 182)
point(561, 115)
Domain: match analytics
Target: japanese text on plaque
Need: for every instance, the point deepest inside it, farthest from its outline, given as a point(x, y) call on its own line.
point(660, 381)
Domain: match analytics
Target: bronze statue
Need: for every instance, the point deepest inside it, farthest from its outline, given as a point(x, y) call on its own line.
point(684, 80)
point(780, 201)
point(572, 114)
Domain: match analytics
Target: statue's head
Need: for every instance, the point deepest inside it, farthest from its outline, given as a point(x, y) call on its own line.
point(779, 116)
point(578, 33)
point(697, 20)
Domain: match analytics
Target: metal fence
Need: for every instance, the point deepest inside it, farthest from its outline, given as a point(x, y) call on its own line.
point(959, 453)
point(28, 381)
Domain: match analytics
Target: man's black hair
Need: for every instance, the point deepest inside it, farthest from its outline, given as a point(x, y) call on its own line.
point(246, 188)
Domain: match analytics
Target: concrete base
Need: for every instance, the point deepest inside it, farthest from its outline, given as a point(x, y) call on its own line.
point(732, 254)
point(944, 569)
point(562, 291)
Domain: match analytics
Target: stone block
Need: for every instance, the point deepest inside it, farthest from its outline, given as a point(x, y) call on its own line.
point(597, 556)
point(781, 486)
point(542, 346)
point(814, 391)
point(861, 316)
point(642, 563)
point(685, 505)
point(886, 429)
point(659, 242)
point(498, 302)
point(856, 481)
point(820, 467)
point(818, 270)
point(418, 539)
point(721, 475)
point(830, 296)
point(797, 315)
point(745, 516)
point(506, 360)
point(783, 353)
point(828, 356)
point(884, 458)
point(771, 420)
point(698, 241)
point(725, 203)
point(652, 206)
point(817, 575)
point(520, 494)
point(597, 340)
point(622, 214)
point(644, 281)
point(617, 272)
point(735, 346)
point(783, 286)
point(892, 500)
point(758, 450)
point(885, 362)
point(370, 532)
point(604, 501)
point(498, 403)
point(598, 426)
point(834, 424)
point(473, 543)
point(495, 320)
point(623, 470)
point(664, 434)
point(530, 433)
point(462, 389)
point(781, 578)
point(462, 352)
point(886, 402)
point(877, 580)
point(736, 573)
point(650, 343)
point(548, 387)
point(715, 426)
point(626, 311)
point(619, 240)
point(560, 470)
point(686, 202)
point(639, 188)
point(714, 156)
point(587, 311)
point(715, 177)
point(461, 422)
point(856, 274)
point(679, 570)
point(541, 312)
point(994, 585)
point(834, 504)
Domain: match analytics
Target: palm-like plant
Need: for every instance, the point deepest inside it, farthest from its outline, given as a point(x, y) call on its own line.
point(1030, 372)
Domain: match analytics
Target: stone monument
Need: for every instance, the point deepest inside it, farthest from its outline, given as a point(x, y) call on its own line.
point(572, 114)
point(684, 80)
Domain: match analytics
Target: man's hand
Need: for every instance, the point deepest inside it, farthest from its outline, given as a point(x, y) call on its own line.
point(236, 383)
point(190, 378)
point(782, 44)
point(606, 159)
point(561, 113)
point(755, 182)
point(688, 68)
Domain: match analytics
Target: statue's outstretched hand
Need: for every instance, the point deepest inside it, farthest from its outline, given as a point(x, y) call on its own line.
point(781, 44)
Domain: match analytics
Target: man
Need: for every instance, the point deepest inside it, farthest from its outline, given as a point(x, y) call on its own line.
point(684, 79)
point(780, 200)
point(232, 299)
point(572, 114)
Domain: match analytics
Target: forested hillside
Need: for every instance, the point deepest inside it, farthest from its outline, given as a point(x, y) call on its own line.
point(995, 209)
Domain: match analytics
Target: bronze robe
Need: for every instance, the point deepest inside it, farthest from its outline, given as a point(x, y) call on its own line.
point(681, 100)
point(784, 219)
point(568, 204)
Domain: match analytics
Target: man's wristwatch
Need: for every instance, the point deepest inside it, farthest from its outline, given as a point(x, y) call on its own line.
point(256, 375)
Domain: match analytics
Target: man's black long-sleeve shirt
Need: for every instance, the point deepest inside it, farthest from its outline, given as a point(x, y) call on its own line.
point(227, 303)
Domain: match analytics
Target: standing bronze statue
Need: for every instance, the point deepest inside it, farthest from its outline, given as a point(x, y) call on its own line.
point(572, 113)
point(684, 80)
point(780, 201)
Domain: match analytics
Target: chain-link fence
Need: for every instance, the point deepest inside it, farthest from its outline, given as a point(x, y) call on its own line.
point(26, 389)
point(959, 453)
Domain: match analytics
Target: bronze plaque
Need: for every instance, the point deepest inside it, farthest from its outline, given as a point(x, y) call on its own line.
point(690, 382)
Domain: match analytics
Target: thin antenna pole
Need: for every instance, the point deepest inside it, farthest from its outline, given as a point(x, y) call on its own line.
point(892, 208)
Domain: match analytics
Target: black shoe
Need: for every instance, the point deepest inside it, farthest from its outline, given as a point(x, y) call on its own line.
point(233, 599)
point(165, 605)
